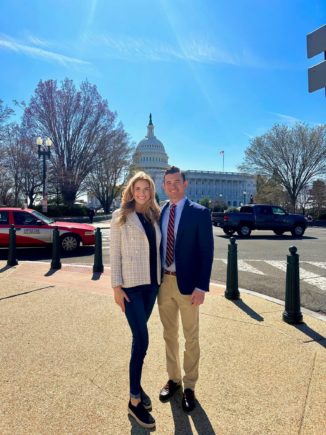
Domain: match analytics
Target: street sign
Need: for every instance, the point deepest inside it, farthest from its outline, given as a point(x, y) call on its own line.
point(316, 42)
point(317, 77)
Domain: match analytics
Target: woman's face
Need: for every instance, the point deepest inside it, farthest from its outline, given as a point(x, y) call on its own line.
point(141, 192)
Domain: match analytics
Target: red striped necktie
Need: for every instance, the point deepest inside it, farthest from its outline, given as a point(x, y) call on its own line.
point(170, 237)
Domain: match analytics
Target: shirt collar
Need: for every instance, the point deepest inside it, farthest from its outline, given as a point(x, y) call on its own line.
point(180, 203)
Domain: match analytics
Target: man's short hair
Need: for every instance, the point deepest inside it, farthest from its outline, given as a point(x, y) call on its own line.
point(174, 170)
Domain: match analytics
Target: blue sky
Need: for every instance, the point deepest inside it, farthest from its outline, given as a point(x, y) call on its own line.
point(214, 73)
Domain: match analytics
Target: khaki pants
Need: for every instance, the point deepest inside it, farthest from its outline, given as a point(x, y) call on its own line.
point(170, 302)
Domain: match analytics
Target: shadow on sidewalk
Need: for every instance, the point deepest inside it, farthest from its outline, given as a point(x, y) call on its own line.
point(182, 420)
point(26, 293)
point(136, 429)
point(3, 269)
point(315, 336)
point(248, 310)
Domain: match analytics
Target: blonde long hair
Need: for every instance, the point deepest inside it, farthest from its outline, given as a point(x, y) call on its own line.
point(151, 208)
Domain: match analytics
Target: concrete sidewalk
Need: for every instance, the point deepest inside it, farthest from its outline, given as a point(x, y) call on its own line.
point(65, 347)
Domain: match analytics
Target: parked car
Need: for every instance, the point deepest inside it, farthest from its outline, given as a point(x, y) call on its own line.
point(35, 229)
point(217, 218)
point(263, 217)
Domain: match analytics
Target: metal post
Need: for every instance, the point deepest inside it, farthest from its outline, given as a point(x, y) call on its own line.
point(232, 289)
point(45, 153)
point(292, 313)
point(44, 173)
point(56, 263)
point(12, 261)
point(98, 262)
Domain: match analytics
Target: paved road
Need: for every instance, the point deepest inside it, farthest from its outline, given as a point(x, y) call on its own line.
point(261, 265)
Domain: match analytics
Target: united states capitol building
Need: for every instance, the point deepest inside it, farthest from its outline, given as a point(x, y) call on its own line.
point(231, 188)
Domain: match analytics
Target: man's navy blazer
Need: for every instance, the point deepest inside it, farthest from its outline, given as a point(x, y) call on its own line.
point(194, 247)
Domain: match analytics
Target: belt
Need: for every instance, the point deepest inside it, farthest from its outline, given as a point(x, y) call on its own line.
point(168, 272)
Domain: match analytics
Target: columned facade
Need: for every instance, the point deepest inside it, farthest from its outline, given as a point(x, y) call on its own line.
point(231, 188)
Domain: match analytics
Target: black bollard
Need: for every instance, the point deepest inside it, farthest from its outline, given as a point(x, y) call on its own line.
point(12, 261)
point(292, 313)
point(232, 289)
point(56, 263)
point(98, 262)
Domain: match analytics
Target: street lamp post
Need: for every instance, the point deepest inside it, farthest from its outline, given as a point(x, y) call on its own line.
point(44, 151)
point(244, 197)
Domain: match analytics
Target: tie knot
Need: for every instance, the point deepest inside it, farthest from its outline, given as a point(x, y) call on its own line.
point(173, 206)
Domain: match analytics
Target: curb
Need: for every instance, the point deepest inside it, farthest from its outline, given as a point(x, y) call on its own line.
point(306, 311)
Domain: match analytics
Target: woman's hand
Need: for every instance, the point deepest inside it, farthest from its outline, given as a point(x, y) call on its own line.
point(119, 297)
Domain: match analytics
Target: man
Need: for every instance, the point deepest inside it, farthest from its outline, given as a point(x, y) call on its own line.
point(91, 214)
point(187, 257)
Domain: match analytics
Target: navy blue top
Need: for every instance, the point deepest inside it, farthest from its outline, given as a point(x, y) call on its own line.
point(151, 236)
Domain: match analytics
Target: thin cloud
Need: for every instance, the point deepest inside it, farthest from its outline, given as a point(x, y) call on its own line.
point(198, 50)
point(138, 49)
point(250, 136)
point(291, 120)
point(37, 52)
point(34, 40)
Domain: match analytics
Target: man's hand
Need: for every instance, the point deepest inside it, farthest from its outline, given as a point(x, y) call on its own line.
point(197, 297)
point(119, 297)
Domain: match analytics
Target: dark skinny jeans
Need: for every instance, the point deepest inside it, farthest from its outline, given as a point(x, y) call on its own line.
point(138, 311)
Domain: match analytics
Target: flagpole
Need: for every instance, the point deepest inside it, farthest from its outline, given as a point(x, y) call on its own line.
point(222, 152)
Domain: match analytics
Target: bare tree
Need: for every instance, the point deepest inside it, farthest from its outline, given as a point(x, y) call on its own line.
point(295, 155)
point(5, 180)
point(6, 197)
point(76, 121)
point(270, 191)
point(304, 199)
point(12, 152)
point(31, 169)
point(111, 169)
point(318, 196)
point(20, 165)
point(5, 113)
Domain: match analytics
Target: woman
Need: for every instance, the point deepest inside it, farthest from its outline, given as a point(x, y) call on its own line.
point(135, 276)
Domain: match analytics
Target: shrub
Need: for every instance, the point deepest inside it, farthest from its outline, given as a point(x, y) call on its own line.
point(63, 210)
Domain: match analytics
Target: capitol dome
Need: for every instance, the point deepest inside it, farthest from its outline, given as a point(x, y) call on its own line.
point(150, 153)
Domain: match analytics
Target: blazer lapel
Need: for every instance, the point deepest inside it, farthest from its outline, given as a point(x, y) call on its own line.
point(166, 206)
point(135, 222)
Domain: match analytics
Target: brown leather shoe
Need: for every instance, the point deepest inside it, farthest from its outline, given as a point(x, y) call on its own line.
point(188, 400)
point(168, 390)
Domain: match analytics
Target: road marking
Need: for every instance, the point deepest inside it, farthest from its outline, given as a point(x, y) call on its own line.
point(305, 275)
point(278, 264)
point(245, 267)
point(317, 263)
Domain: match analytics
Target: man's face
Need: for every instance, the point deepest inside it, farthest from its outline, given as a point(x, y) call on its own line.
point(174, 186)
